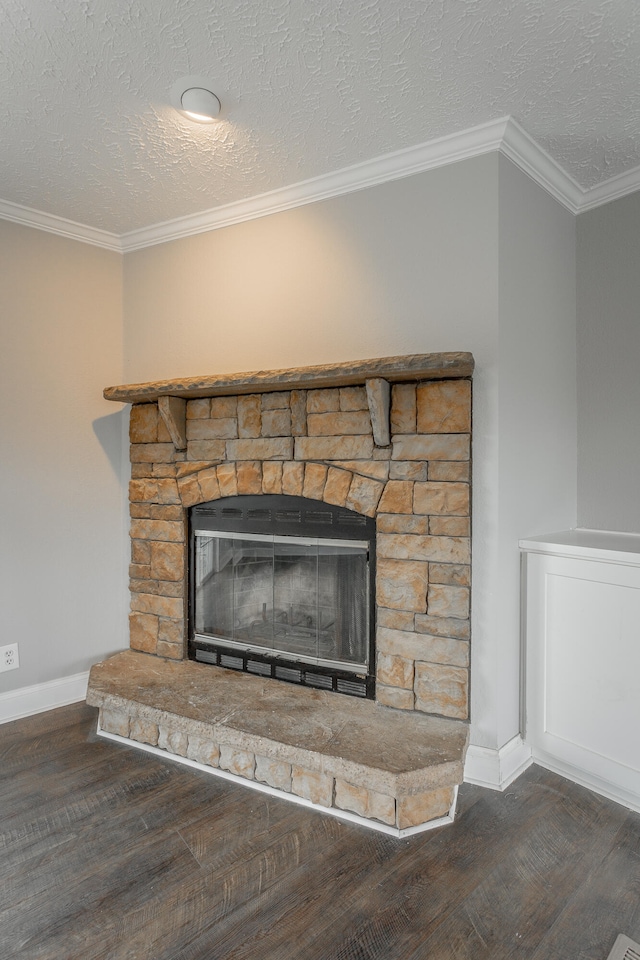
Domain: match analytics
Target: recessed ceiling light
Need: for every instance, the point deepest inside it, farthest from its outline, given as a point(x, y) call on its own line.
point(193, 98)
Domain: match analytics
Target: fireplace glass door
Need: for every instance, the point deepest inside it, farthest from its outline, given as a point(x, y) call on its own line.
point(302, 599)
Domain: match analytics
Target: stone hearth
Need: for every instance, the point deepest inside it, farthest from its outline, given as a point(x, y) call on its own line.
point(386, 438)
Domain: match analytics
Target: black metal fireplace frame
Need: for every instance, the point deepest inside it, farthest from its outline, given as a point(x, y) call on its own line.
point(287, 516)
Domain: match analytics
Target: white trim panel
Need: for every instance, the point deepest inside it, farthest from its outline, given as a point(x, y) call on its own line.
point(496, 769)
point(613, 788)
point(282, 795)
point(43, 696)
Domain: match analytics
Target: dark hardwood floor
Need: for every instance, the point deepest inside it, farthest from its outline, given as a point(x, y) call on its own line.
point(108, 852)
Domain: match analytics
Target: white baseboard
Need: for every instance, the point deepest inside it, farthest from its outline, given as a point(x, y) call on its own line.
point(43, 696)
point(498, 768)
point(619, 789)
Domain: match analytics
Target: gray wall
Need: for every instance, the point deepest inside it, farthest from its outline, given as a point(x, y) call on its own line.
point(608, 251)
point(62, 586)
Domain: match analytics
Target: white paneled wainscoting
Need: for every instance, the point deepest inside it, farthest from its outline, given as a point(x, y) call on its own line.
point(582, 641)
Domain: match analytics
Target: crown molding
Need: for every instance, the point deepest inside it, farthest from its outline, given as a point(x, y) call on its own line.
point(28, 217)
point(485, 138)
point(532, 159)
point(612, 189)
point(504, 135)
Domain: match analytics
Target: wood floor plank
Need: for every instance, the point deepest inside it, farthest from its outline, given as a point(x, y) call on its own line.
point(108, 853)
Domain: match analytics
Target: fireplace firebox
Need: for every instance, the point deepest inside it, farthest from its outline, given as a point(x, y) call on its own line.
point(283, 587)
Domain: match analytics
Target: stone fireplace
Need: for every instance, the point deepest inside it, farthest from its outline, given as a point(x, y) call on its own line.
point(386, 442)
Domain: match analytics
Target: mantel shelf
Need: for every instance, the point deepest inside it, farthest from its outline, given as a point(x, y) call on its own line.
point(425, 366)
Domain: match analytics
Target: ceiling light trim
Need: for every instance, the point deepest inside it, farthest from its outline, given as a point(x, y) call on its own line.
point(61, 227)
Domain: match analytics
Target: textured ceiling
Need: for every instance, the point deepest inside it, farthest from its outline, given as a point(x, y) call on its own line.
point(87, 131)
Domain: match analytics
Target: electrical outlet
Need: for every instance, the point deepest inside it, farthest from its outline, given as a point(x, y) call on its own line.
point(9, 659)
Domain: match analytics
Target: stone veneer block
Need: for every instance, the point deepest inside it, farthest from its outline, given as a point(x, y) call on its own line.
point(240, 762)
point(408, 470)
point(354, 423)
point(224, 407)
point(366, 803)
point(208, 483)
point(249, 475)
point(272, 477)
point(448, 601)
point(190, 492)
point(175, 741)
point(114, 721)
point(155, 511)
point(444, 406)
point(292, 478)
point(188, 467)
point(203, 751)
point(227, 480)
point(353, 398)
point(152, 452)
point(403, 408)
point(442, 689)
point(401, 523)
point(206, 450)
point(379, 397)
point(458, 574)
point(143, 423)
point(199, 409)
point(323, 401)
point(171, 630)
point(158, 606)
point(395, 619)
point(450, 526)
point(395, 671)
point(402, 585)
point(154, 491)
point(143, 632)
point(315, 477)
point(315, 787)
point(423, 807)
point(337, 486)
point(443, 446)
point(443, 627)
point(333, 448)
point(222, 429)
point(276, 773)
point(443, 499)
point(397, 497)
point(249, 416)
point(158, 530)
point(276, 423)
point(364, 495)
point(416, 646)
point(400, 546)
point(144, 731)
point(279, 400)
point(167, 560)
point(298, 413)
point(172, 651)
point(376, 469)
point(396, 697)
point(264, 448)
point(449, 470)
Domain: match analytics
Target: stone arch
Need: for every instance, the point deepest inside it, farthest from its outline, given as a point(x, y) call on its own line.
point(314, 480)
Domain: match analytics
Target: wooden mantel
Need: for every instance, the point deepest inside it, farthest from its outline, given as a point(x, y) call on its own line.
point(432, 366)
